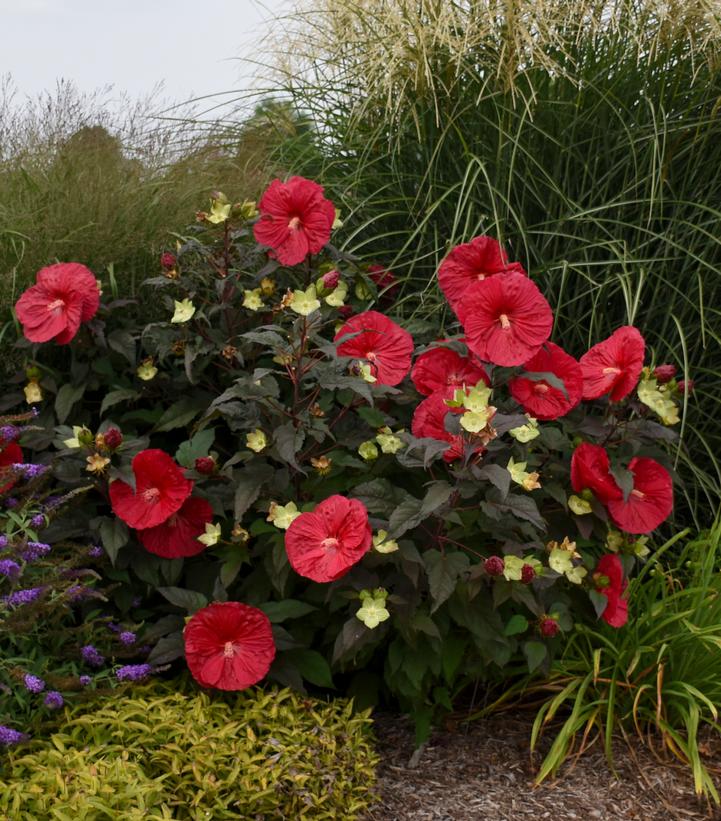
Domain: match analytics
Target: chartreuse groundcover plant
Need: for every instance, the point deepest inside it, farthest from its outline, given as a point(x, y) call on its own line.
point(164, 752)
point(290, 484)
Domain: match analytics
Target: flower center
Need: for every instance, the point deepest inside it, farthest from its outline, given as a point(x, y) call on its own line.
point(371, 357)
point(480, 277)
point(294, 224)
point(505, 321)
point(151, 495)
point(229, 650)
point(330, 543)
point(541, 387)
point(614, 371)
point(55, 304)
point(638, 493)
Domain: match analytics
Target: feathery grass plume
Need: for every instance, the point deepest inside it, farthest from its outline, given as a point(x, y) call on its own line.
point(580, 134)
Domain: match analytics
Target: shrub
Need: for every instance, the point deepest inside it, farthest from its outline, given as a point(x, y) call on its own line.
point(660, 678)
point(160, 754)
point(580, 133)
point(272, 471)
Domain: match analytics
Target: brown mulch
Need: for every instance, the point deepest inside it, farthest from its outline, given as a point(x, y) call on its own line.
point(482, 772)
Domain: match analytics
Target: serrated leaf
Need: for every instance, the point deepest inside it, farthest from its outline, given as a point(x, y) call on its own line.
point(312, 666)
point(248, 487)
point(114, 534)
point(522, 507)
point(443, 572)
point(411, 512)
point(499, 477)
point(535, 653)
point(168, 649)
point(178, 415)
point(193, 448)
point(67, 396)
point(372, 416)
point(288, 442)
point(516, 624)
point(123, 343)
point(279, 611)
point(189, 600)
point(115, 397)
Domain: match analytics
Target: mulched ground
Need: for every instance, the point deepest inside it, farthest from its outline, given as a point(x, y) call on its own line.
point(483, 772)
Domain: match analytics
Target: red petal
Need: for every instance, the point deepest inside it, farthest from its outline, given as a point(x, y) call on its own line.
point(651, 500)
point(541, 399)
point(177, 537)
point(614, 365)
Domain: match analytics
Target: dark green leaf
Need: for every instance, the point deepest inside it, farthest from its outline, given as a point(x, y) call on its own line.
point(67, 396)
point(189, 600)
point(279, 611)
point(516, 624)
point(114, 534)
point(115, 397)
point(193, 448)
point(443, 572)
point(312, 666)
point(535, 653)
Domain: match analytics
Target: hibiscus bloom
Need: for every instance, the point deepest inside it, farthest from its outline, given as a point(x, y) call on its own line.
point(229, 645)
point(160, 490)
point(385, 281)
point(325, 544)
point(380, 342)
point(506, 319)
point(540, 398)
point(429, 422)
point(295, 219)
point(64, 296)
point(591, 469)
point(614, 365)
point(649, 503)
point(10, 454)
point(471, 262)
point(609, 581)
point(441, 368)
point(177, 536)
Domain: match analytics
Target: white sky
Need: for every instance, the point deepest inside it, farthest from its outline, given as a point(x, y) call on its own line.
point(132, 44)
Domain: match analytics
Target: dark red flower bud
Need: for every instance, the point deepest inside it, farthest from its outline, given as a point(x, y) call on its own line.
point(113, 438)
point(548, 627)
point(494, 566)
point(205, 465)
point(664, 373)
point(331, 279)
point(686, 386)
point(528, 574)
point(345, 311)
point(168, 260)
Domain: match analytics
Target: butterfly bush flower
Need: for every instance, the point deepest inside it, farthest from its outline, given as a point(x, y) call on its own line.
point(36, 550)
point(10, 569)
point(9, 433)
point(133, 672)
point(53, 700)
point(22, 597)
point(33, 684)
point(127, 637)
point(85, 681)
point(92, 656)
point(8, 736)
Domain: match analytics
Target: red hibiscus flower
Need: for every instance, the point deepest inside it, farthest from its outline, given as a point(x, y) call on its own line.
point(471, 262)
point(591, 469)
point(177, 536)
point(10, 454)
point(379, 341)
point(440, 368)
point(506, 319)
point(429, 422)
point(539, 397)
point(229, 645)
point(614, 365)
point(385, 281)
point(64, 295)
point(649, 503)
point(325, 544)
point(295, 219)
point(609, 581)
point(160, 490)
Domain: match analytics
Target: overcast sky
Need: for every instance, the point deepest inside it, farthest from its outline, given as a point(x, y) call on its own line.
point(132, 44)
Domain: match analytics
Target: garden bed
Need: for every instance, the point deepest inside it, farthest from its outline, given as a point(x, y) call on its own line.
point(483, 771)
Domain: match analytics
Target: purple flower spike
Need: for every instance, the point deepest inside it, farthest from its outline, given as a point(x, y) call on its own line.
point(133, 672)
point(8, 736)
point(92, 656)
point(127, 637)
point(36, 550)
point(85, 681)
point(9, 432)
point(20, 597)
point(33, 684)
point(53, 700)
point(10, 569)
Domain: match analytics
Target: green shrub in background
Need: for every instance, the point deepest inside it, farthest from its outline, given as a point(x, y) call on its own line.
point(582, 134)
point(163, 754)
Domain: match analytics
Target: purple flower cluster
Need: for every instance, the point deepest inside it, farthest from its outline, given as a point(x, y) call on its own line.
point(30, 471)
point(53, 700)
point(9, 736)
point(96, 552)
point(10, 569)
point(92, 656)
point(127, 637)
point(33, 684)
point(38, 520)
point(36, 550)
point(3, 541)
point(85, 681)
point(9, 432)
point(133, 672)
point(11, 502)
point(20, 597)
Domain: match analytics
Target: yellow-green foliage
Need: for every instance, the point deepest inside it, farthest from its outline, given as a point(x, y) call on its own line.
point(171, 755)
